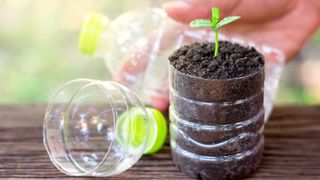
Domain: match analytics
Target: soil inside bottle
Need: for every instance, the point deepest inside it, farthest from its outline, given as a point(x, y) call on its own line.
point(217, 110)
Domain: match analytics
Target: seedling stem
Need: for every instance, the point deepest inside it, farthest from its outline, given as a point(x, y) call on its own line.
point(214, 24)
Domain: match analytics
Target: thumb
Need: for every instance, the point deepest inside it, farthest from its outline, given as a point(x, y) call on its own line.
point(186, 11)
point(252, 11)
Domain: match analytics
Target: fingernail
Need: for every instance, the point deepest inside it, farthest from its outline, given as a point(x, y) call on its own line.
point(177, 4)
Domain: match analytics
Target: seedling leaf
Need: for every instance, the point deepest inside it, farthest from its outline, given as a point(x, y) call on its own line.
point(215, 15)
point(201, 23)
point(227, 20)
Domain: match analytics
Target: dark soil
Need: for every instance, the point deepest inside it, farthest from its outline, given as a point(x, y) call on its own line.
point(232, 61)
point(220, 170)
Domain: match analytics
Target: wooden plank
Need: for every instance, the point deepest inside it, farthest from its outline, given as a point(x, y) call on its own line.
point(292, 148)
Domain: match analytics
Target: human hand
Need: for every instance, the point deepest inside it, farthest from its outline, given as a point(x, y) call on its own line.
point(282, 24)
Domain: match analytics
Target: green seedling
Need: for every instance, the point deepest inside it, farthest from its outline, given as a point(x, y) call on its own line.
point(214, 24)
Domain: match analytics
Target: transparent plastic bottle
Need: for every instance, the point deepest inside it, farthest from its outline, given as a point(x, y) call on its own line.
point(130, 56)
point(100, 128)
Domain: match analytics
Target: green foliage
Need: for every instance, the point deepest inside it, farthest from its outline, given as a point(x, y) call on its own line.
point(214, 24)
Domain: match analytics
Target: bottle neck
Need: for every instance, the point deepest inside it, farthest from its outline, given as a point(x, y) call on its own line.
point(102, 44)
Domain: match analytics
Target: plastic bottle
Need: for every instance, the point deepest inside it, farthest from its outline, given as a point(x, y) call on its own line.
point(217, 128)
point(131, 57)
point(100, 128)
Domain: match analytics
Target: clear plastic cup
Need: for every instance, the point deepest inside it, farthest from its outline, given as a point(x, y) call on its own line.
point(99, 128)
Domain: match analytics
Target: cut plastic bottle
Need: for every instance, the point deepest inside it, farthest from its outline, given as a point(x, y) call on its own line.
point(100, 128)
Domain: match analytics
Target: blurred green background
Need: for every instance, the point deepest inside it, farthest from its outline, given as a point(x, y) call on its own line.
point(38, 51)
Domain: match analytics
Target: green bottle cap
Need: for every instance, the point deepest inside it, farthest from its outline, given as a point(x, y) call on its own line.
point(91, 31)
point(158, 131)
point(132, 129)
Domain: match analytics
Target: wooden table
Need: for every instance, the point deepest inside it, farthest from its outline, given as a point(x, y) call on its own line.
point(292, 148)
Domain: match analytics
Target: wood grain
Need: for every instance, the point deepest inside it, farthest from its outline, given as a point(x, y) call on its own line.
point(292, 149)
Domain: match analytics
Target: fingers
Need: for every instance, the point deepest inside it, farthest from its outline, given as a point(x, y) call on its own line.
point(131, 71)
point(185, 12)
point(131, 68)
point(260, 11)
point(160, 102)
point(251, 11)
